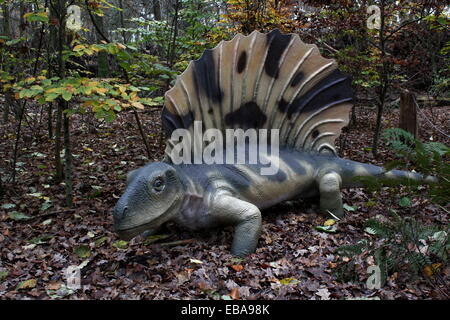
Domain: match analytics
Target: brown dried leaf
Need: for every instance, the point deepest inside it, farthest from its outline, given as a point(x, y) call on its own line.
point(235, 294)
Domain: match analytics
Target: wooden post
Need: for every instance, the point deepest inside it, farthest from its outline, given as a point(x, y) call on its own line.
point(408, 113)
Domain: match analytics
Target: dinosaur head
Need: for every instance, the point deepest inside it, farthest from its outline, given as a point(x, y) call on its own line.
point(153, 196)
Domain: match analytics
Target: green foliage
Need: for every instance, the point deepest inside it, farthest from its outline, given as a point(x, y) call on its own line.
point(104, 97)
point(189, 43)
point(430, 158)
point(399, 244)
point(41, 16)
point(441, 80)
point(263, 15)
point(405, 243)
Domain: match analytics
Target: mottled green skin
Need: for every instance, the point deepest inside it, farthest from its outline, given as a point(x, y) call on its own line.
point(200, 196)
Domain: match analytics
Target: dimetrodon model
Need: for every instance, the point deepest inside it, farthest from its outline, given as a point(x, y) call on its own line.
point(270, 81)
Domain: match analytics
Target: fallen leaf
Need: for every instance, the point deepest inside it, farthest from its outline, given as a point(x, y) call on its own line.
point(327, 229)
point(27, 284)
point(323, 293)
point(53, 285)
point(120, 244)
point(237, 267)
point(83, 251)
point(235, 294)
point(195, 261)
point(287, 281)
point(332, 265)
point(8, 206)
point(18, 216)
point(182, 277)
point(3, 275)
point(349, 208)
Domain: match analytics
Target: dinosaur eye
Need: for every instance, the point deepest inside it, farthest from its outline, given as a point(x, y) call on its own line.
point(158, 184)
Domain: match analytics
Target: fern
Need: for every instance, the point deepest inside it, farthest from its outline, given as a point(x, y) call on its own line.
point(399, 140)
point(379, 228)
point(430, 158)
point(354, 249)
point(403, 244)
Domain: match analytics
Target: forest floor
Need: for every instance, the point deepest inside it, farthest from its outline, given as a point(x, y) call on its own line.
point(292, 261)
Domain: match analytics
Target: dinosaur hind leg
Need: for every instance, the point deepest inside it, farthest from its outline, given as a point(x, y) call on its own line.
point(330, 194)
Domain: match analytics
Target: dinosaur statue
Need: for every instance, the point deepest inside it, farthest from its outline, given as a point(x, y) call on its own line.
point(260, 81)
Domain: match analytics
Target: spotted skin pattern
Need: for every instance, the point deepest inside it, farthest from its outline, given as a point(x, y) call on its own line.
point(259, 81)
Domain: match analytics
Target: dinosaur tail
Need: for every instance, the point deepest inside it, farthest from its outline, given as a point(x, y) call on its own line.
point(355, 173)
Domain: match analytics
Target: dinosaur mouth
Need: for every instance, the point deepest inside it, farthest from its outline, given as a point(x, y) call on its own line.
point(130, 233)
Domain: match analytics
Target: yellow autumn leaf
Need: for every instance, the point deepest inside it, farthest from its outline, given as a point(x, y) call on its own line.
point(87, 103)
point(101, 91)
point(133, 96)
point(30, 79)
point(95, 48)
point(51, 90)
point(92, 83)
point(27, 284)
point(78, 47)
point(137, 105)
point(329, 222)
point(428, 271)
point(436, 266)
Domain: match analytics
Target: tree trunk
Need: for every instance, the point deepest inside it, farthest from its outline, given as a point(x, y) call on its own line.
point(68, 162)
point(102, 58)
point(122, 22)
point(175, 34)
point(8, 102)
point(62, 120)
point(63, 105)
point(157, 10)
point(6, 23)
point(58, 164)
point(408, 113)
point(50, 120)
point(384, 76)
point(2, 190)
point(6, 32)
point(22, 23)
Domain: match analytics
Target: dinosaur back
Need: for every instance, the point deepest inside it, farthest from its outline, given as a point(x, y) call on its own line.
point(263, 81)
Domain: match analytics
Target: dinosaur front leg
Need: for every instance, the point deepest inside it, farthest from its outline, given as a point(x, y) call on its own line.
point(246, 219)
point(330, 194)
